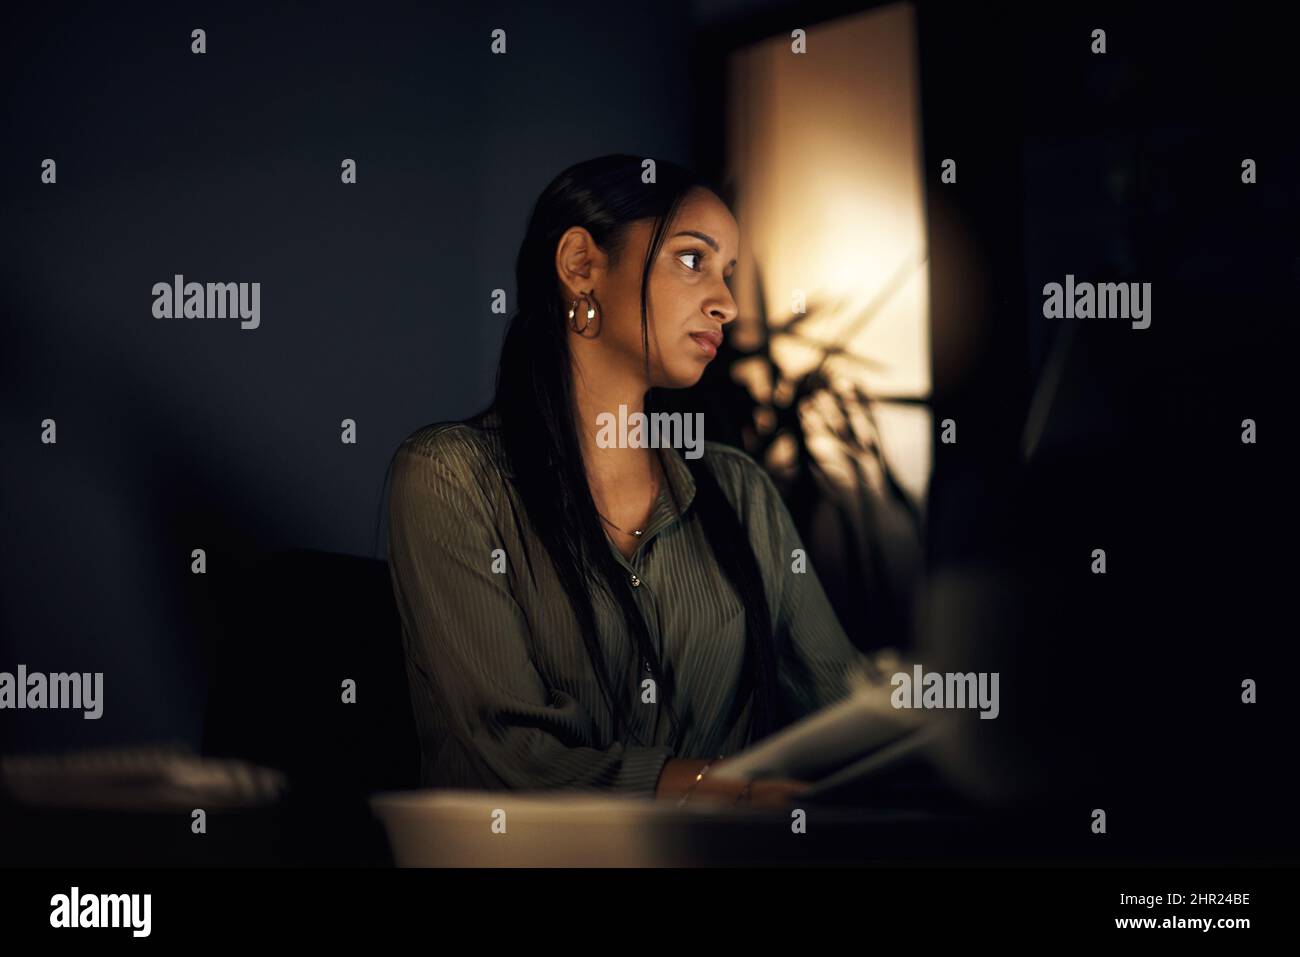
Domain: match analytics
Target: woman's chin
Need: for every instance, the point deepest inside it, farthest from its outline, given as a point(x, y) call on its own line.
point(683, 378)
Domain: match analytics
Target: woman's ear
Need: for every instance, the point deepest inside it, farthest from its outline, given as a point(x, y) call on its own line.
point(580, 264)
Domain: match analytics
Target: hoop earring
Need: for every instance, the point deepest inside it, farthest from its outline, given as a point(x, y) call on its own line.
point(573, 311)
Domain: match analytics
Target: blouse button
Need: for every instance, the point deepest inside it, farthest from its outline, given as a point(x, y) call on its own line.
point(636, 582)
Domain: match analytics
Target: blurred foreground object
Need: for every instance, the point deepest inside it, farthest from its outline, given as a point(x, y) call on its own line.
point(140, 778)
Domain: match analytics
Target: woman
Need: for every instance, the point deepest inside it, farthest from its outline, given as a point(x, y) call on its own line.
point(584, 613)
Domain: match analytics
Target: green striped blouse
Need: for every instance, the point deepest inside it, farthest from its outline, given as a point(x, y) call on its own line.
point(501, 684)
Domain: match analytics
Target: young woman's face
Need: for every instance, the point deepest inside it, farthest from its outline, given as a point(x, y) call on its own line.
point(688, 297)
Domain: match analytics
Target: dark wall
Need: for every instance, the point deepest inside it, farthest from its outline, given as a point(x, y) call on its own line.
point(188, 433)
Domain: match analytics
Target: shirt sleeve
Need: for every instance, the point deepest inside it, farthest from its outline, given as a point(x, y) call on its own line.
point(819, 656)
point(486, 718)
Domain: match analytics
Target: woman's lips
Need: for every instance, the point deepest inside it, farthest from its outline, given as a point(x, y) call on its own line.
point(708, 342)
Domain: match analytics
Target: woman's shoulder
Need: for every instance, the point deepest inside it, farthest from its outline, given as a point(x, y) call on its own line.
point(466, 449)
point(744, 481)
point(754, 497)
point(736, 466)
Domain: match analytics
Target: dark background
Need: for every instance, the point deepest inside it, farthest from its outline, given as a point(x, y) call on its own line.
point(1120, 691)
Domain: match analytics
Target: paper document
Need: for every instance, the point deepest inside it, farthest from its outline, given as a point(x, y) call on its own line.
point(856, 735)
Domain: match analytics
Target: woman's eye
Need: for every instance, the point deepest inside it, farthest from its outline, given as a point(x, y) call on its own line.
point(697, 256)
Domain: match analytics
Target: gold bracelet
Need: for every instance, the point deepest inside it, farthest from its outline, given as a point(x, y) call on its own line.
point(699, 776)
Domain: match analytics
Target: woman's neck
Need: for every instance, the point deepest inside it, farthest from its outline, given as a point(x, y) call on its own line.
point(598, 393)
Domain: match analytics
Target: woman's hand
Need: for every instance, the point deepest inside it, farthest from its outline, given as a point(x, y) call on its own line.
point(773, 792)
point(764, 792)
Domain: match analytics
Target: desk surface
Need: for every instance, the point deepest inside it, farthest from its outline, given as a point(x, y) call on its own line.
point(346, 833)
